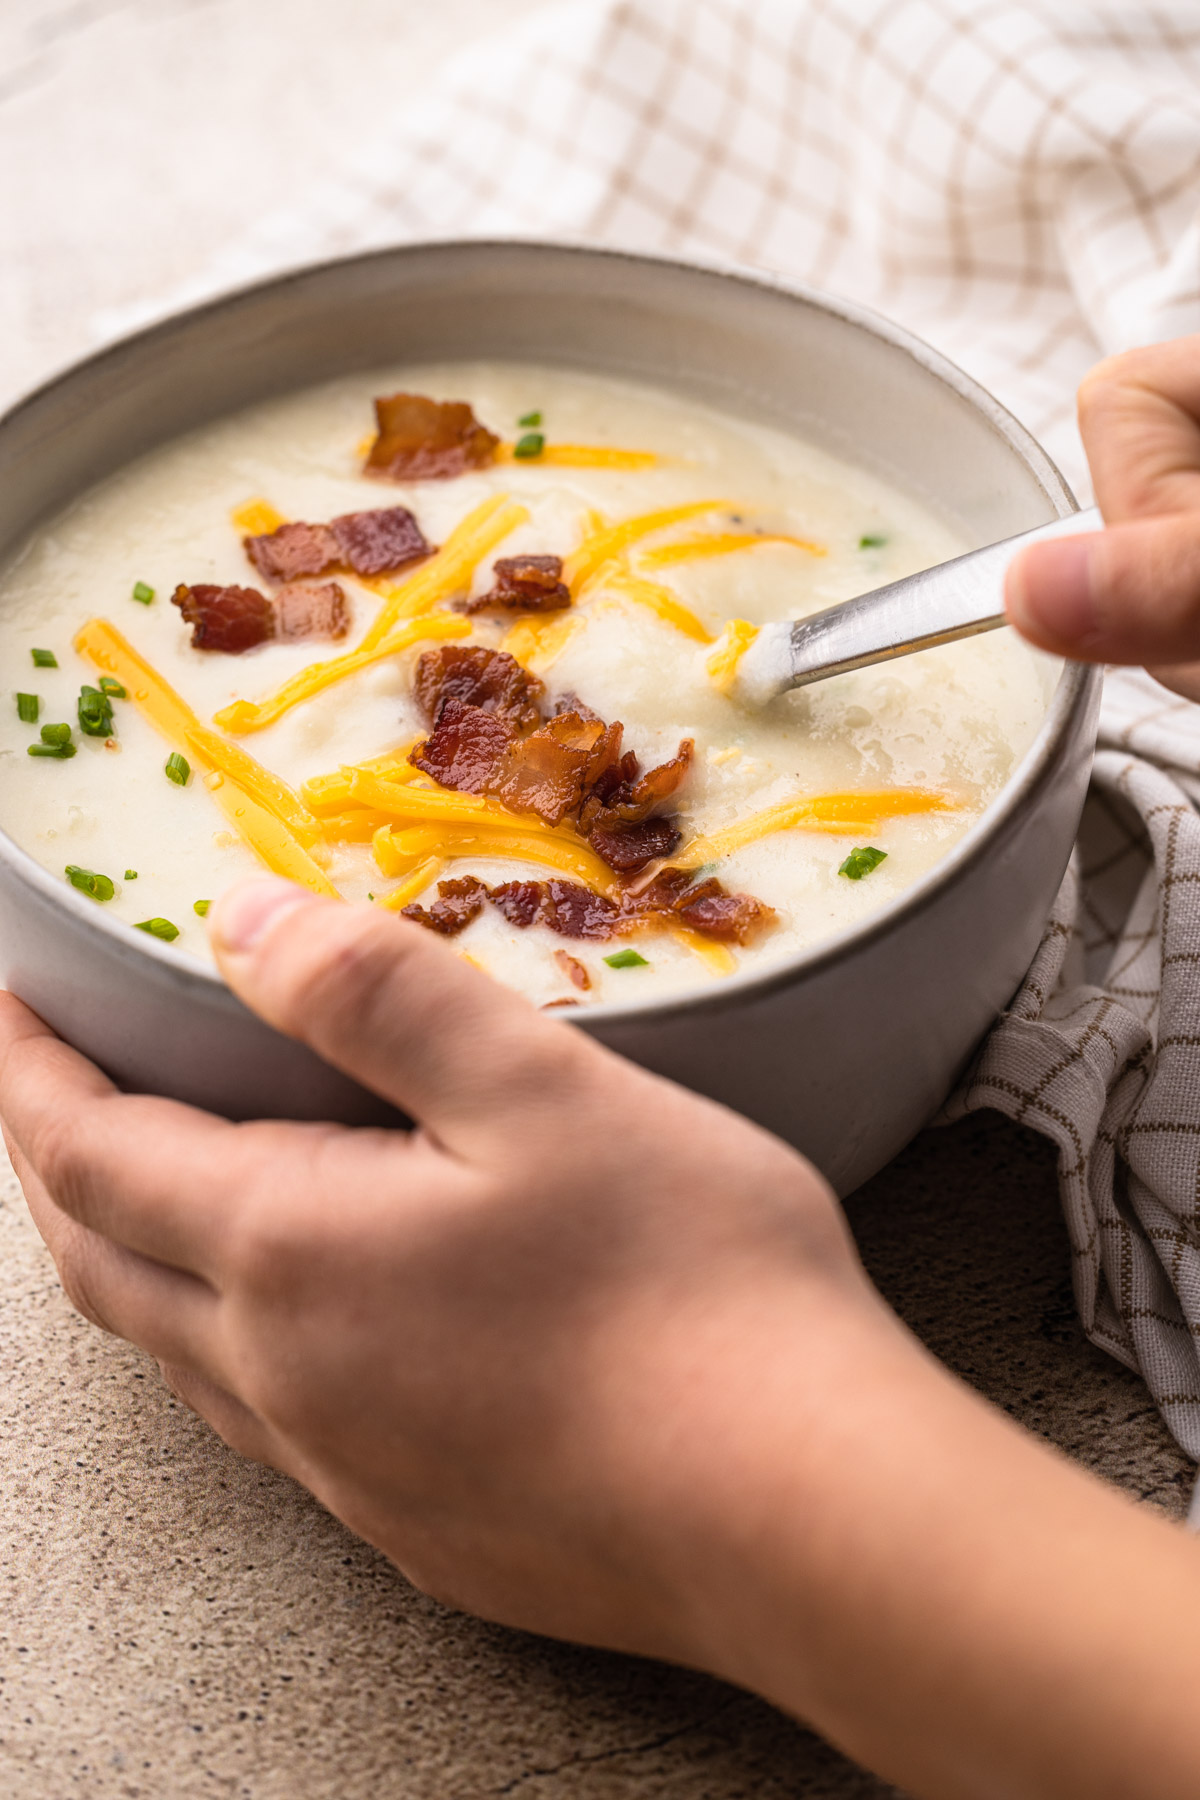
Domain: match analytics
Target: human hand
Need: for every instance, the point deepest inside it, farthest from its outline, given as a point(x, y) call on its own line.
point(474, 1343)
point(1131, 593)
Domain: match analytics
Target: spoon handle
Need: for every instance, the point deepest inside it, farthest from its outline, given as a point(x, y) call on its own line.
point(953, 600)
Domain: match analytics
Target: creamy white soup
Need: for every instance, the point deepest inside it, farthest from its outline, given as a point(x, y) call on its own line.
point(357, 749)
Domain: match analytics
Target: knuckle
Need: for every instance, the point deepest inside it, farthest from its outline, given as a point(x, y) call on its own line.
point(59, 1155)
point(77, 1275)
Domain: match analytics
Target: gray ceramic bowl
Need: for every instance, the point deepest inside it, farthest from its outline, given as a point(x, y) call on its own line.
point(846, 1050)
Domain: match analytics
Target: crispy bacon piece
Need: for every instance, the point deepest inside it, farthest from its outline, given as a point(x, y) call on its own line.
point(576, 912)
point(465, 747)
point(519, 901)
point(632, 797)
point(628, 848)
point(457, 904)
point(574, 970)
point(368, 543)
point(550, 771)
point(427, 440)
point(231, 619)
point(490, 679)
point(302, 611)
point(525, 584)
point(721, 915)
point(292, 550)
point(376, 543)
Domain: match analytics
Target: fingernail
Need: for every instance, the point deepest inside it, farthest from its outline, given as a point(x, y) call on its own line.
point(1050, 593)
point(241, 916)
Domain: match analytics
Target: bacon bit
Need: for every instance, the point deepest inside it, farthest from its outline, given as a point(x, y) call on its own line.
point(232, 619)
point(368, 543)
point(379, 542)
point(633, 796)
point(525, 584)
point(576, 912)
point(549, 772)
point(465, 748)
point(490, 679)
point(628, 848)
point(293, 549)
point(574, 971)
point(572, 703)
point(721, 915)
point(303, 612)
point(519, 901)
point(427, 440)
point(457, 904)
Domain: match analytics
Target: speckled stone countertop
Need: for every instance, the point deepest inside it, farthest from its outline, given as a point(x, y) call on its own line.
point(178, 1623)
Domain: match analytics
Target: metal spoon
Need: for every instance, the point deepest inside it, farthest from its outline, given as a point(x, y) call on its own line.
point(953, 600)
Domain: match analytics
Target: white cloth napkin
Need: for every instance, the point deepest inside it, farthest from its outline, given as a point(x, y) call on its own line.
point(1018, 183)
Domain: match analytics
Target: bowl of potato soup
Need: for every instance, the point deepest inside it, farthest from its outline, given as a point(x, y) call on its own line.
point(423, 578)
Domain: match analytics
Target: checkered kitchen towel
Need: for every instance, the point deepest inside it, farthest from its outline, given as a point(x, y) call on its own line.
point(1016, 180)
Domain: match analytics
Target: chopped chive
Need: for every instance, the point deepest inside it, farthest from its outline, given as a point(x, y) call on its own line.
point(860, 862)
point(56, 741)
point(200, 907)
point(627, 959)
point(131, 874)
point(704, 870)
point(89, 882)
point(370, 896)
point(143, 593)
point(44, 659)
point(872, 540)
point(531, 445)
point(109, 685)
point(28, 707)
point(529, 420)
point(177, 769)
point(159, 928)
point(95, 712)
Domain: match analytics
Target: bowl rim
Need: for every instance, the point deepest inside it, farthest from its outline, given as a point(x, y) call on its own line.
point(1071, 697)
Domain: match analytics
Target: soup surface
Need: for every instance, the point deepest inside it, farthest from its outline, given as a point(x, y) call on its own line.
point(211, 763)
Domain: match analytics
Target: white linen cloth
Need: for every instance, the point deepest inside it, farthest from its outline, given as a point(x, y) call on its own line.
point(1018, 182)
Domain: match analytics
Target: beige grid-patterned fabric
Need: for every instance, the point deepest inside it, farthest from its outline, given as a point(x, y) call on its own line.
point(1016, 180)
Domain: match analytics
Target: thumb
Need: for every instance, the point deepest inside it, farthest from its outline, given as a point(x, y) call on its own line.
point(384, 1000)
point(1129, 594)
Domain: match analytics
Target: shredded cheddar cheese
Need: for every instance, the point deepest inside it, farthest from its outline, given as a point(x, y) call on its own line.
point(600, 547)
point(246, 793)
point(737, 638)
point(719, 957)
point(812, 812)
point(256, 518)
point(538, 643)
point(397, 849)
point(657, 598)
point(331, 793)
point(724, 543)
point(358, 825)
point(446, 806)
point(249, 715)
point(414, 883)
point(449, 570)
point(581, 456)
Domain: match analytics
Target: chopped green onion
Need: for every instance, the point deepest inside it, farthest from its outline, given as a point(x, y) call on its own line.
point(177, 769)
point(28, 707)
point(627, 959)
point(370, 896)
point(131, 874)
point(143, 593)
point(56, 741)
point(95, 712)
point(159, 928)
point(528, 420)
point(111, 686)
point(872, 540)
point(44, 659)
point(88, 882)
point(532, 444)
point(200, 907)
point(860, 862)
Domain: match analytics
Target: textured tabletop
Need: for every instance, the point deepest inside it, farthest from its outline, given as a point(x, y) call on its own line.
point(176, 1622)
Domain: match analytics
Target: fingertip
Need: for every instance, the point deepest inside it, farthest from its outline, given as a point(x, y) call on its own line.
point(244, 914)
point(1050, 595)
